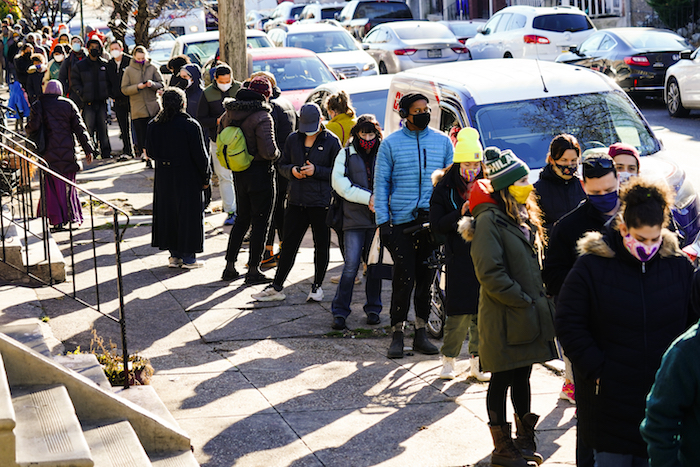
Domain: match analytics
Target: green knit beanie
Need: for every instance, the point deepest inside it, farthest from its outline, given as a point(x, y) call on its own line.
point(503, 168)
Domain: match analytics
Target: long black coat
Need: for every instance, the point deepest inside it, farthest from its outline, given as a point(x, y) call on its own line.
point(61, 120)
point(89, 80)
point(462, 287)
point(557, 196)
point(615, 318)
point(182, 170)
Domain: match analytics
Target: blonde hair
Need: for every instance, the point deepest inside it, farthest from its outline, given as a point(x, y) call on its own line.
point(534, 215)
point(264, 74)
point(339, 103)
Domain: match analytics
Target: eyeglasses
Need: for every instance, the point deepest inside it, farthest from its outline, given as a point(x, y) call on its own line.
point(601, 162)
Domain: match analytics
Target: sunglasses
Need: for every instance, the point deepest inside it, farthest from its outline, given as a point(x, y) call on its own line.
point(601, 162)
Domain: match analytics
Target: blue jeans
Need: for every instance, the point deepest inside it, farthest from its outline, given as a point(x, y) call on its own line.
point(357, 245)
point(609, 459)
point(187, 258)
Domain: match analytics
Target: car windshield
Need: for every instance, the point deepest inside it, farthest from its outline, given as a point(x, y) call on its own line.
point(596, 120)
point(322, 42)
point(562, 22)
point(256, 42)
point(200, 52)
point(296, 73)
point(160, 55)
point(655, 40)
point(465, 29)
point(424, 31)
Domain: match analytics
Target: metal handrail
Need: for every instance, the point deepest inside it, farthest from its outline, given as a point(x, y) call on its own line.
point(28, 160)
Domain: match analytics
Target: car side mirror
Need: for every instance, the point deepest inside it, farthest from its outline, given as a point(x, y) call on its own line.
point(164, 70)
point(336, 15)
point(574, 50)
point(365, 46)
point(686, 55)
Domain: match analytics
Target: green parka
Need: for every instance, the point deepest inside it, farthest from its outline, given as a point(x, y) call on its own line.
point(516, 319)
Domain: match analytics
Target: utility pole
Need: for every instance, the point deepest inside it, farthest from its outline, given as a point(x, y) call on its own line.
point(232, 41)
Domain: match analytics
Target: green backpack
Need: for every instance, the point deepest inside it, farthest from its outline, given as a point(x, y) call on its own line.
point(231, 149)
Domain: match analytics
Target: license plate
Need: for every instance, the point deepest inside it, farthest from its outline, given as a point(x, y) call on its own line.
point(436, 53)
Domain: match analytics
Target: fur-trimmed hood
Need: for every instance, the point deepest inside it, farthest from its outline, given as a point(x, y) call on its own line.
point(246, 106)
point(595, 243)
point(437, 176)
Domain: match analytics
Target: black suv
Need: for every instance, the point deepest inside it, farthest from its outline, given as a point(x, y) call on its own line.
point(359, 16)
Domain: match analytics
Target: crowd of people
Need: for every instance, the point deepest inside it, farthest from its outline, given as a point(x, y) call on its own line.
point(587, 268)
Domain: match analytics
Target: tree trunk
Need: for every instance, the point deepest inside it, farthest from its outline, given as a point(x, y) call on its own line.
point(143, 20)
point(232, 41)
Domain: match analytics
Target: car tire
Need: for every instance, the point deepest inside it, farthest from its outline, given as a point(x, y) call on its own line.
point(507, 55)
point(382, 69)
point(674, 104)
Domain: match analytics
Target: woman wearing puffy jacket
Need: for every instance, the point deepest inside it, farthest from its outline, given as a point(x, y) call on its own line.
point(516, 319)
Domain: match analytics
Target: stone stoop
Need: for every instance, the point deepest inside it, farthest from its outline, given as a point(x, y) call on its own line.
point(18, 252)
point(53, 415)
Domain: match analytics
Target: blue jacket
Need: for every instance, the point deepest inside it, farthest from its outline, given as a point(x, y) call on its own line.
point(402, 180)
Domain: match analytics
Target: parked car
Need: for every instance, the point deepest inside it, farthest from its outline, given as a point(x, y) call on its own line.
point(205, 46)
point(297, 71)
point(409, 44)
point(285, 13)
point(166, 37)
point(159, 52)
point(256, 20)
point(315, 12)
point(464, 30)
point(333, 44)
point(636, 58)
point(256, 39)
point(549, 99)
point(182, 19)
point(360, 16)
point(682, 85)
point(368, 95)
point(531, 32)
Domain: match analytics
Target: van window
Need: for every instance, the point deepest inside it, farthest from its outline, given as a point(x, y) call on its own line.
point(329, 13)
point(383, 10)
point(517, 22)
point(562, 22)
point(492, 24)
point(503, 24)
point(448, 120)
point(596, 120)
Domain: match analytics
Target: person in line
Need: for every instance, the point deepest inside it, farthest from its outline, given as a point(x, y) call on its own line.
point(54, 66)
point(116, 66)
point(35, 77)
point(342, 115)
point(353, 181)
point(626, 159)
point(23, 61)
point(624, 302)
point(61, 120)
point(255, 186)
point(11, 50)
point(175, 64)
point(65, 74)
point(209, 112)
point(141, 82)
point(516, 318)
point(307, 161)
point(402, 190)
point(90, 83)
point(449, 204)
point(176, 142)
point(600, 183)
point(193, 87)
point(285, 118)
point(671, 426)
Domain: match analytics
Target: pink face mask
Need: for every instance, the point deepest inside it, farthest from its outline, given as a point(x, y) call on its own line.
point(639, 250)
point(469, 175)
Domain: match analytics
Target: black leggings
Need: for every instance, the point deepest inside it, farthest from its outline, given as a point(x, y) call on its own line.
point(518, 380)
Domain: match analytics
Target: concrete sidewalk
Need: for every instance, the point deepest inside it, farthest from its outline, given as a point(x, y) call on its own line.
point(270, 384)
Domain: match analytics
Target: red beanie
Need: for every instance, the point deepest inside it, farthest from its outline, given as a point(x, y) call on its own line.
point(261, 86)
point(622, 148)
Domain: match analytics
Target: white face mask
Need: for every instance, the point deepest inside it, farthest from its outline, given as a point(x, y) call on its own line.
point(224, 87)
point(58, 58)
point(311, 133)
point(76, 47)
point(189, 82)
point(116, 54)
point(624, 176)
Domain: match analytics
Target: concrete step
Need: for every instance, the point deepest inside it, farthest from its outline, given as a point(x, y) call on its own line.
point(29, 335)
point(176, 459)
point(87, 365)
point(48, 432)
point(115, 445)
point(10, 252)
point(31, 252)
point(7, 420)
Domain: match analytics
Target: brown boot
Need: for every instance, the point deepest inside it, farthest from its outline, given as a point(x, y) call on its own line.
point(525, 441)
point(505, 453)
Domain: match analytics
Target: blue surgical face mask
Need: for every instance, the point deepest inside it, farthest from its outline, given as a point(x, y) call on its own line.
point(604, 203)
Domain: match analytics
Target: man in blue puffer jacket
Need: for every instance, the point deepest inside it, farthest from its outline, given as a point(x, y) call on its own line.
point(402, 190)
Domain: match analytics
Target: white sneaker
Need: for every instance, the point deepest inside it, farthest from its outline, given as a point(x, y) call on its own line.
point(269, 294)
point(475, 370)
point(448, 368)
point(196, 265)
point(174, 262)
point(316, 294)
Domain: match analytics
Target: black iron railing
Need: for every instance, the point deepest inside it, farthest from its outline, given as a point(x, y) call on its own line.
point(23, 185)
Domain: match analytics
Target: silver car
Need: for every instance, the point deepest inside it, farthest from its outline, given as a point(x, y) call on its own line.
point(403, 45)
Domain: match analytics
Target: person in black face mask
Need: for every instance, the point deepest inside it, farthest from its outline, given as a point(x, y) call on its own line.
point(600, 184)
point(89, 81)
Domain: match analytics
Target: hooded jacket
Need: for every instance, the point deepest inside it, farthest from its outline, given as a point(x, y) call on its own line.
point(557, 196)
point(314, 191)
point(405, 161)
point(516, 319)
point(143, 102)
point(194, 91)
point(351, 180)
point(462, 288)
point(615, 318)
point(89, 79)
point(340, 126)
point(254, 119)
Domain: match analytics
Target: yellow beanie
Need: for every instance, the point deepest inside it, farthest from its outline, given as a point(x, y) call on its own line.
point(468, 147)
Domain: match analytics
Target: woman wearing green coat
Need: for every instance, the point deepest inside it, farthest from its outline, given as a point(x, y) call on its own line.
point(516, 319)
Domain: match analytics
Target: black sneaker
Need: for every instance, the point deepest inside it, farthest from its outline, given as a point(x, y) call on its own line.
point(230, 275)
point(373, 318)
point(268, 261)
point(338, 323)
point(256, 278)
point(149, 164)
